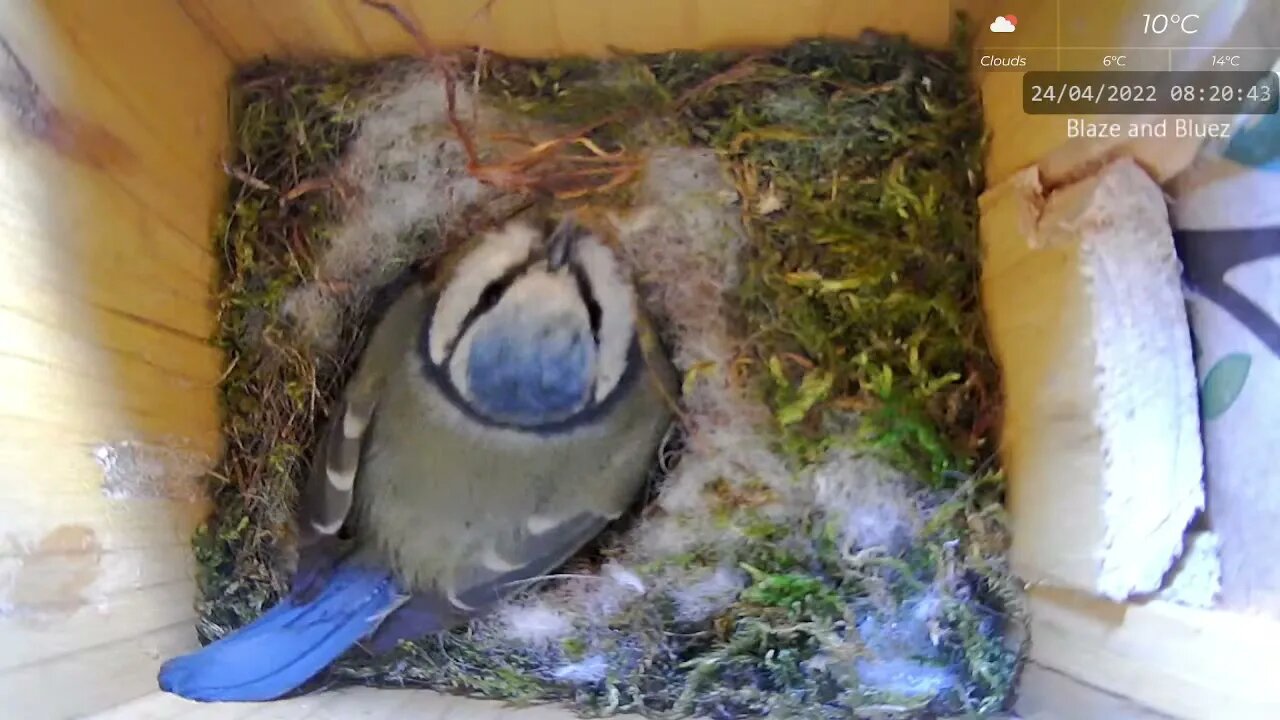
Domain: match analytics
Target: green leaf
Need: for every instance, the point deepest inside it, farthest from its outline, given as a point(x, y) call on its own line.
point(803, 279)
point(776, 372)
point(1223, 383)
point(814, 387)
point(844, 285)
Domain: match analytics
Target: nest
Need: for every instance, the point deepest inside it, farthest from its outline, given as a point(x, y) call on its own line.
point(823, 531)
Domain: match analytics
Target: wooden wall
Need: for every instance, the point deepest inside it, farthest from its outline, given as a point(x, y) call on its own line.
point(110, 124)
point(1186, 663)
point(246, 29)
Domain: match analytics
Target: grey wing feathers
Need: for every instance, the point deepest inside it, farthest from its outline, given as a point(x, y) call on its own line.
point(496, 568)
point(330, 492)
point(478, 586)
point(331, 489)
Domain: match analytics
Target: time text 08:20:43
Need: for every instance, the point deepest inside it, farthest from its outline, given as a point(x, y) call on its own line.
point(1149, 92)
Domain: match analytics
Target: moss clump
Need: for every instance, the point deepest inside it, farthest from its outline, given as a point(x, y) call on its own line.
point(858, 166)
point(290, 124)
point(863, 286)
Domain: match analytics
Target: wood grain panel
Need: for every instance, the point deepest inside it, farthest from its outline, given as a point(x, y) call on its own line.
point(108, 186)
point(159, 67)
point(126, 615)
point(666, 24)
point(77, 684)
point(247, 29)
point(356, 702)
point(93, 116)
point(170, 353)
point(1044, 693)
point(1187, 663)
point(521, 27)
point(235, 27)
point(116, 524)
point(303, 29)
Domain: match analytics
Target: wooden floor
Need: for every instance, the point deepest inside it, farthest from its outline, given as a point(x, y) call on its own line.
point(346, 704)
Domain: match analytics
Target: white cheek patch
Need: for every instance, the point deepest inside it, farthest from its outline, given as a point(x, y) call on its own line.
point(498, 252)
point(617, 311)
point(461, 356)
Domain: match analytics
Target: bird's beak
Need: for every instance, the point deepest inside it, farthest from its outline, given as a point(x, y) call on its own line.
point(560, 242)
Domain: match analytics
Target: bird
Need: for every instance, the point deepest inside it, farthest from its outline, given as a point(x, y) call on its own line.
point(506, 407)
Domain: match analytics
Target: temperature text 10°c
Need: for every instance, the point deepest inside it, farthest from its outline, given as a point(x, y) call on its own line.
point(1159, 24)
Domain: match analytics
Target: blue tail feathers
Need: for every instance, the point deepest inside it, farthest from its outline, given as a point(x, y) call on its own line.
point(289, 644)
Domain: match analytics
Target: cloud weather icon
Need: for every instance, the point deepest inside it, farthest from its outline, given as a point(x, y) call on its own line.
point(1004, 24)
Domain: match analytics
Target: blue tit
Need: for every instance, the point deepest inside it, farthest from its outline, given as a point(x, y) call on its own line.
point(499, 417)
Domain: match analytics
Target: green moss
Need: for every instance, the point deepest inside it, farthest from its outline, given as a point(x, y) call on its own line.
point(289, 126)
point(573, 91)
point(798, 593)
point(574, 648)
point(863, 330)
point(869, 270)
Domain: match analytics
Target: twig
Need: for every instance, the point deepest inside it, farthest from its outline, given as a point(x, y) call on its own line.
point(485, 9)
point(246, 178)
point(530, 171)
point(231, 366)
point(475, 86)
point(736, 72)
point(804, 362)
point(546, 167)
point(432, 53)
point(306, 186)
point(526, 582)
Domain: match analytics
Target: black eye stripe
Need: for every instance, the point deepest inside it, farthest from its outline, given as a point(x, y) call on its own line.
point(493, 292)
point(589, 299)
point(489, 297)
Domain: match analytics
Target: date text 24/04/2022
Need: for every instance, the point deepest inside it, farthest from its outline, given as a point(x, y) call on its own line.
point(1150, 93)
point(1107, 93)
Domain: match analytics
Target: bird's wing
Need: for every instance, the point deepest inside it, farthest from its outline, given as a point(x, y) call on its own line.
point(330, 489)
point(328, 494)
point(494, 571)
point(497, 566)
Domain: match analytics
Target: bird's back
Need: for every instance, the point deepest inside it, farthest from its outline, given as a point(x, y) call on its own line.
point(469, 489)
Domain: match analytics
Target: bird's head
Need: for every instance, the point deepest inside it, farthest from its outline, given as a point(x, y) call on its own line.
point(534, 326)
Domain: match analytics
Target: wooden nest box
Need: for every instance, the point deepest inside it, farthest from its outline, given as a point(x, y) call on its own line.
point(112, 125)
